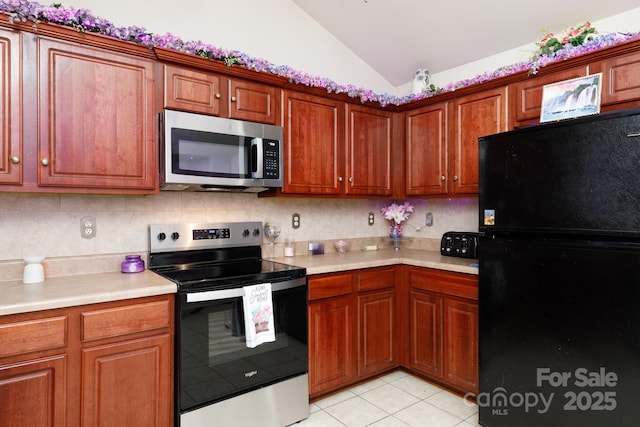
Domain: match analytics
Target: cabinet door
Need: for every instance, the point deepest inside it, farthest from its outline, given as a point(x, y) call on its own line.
point(621, 79)
point(474, 116)
point(314, 144)
point(461, 344)
point(192, 90)
point(10, 106)
point(426, 333)
point(253, 101)
point(128, 383)
point(96, 119)
point(426, 162)
point(368, 151)
point(33, 393)
point(331, 361)
point(526, 95)
point(375, 332)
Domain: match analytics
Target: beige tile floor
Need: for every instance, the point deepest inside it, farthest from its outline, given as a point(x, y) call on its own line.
point(397, 399)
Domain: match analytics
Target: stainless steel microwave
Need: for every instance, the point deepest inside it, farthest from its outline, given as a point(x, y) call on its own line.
point(207, 153)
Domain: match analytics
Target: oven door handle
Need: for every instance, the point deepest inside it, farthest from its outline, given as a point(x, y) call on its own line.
point(239, 292)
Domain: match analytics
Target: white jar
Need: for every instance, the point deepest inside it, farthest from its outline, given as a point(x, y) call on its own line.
point(33, 271)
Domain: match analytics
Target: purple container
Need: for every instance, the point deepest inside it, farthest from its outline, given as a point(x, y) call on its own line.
point(132, 264)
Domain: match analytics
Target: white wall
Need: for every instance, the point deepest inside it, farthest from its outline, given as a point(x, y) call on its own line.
point(275, 30)
point(624, 22)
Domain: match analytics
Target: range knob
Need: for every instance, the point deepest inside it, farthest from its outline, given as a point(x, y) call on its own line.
point(175, 235)
point(245, 232)
point(256, 231)
point(161, 236)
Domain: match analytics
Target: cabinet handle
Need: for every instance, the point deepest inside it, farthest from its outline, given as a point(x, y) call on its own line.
point(218, 96)
point(633, 134)
point(15, 160)
point(455, 177)
point(350, 179)
point(233, 99)
point(442, 178)
point(44, 162)
point(339, 179)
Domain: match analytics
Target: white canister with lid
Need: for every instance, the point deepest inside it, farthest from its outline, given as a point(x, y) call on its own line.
point(33, 271)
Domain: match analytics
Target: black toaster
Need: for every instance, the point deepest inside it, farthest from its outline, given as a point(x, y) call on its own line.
point(461, 244)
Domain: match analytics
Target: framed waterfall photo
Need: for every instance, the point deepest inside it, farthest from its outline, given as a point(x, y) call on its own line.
point(572, 98)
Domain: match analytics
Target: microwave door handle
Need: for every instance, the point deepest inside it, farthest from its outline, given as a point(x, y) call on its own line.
point(257, 160)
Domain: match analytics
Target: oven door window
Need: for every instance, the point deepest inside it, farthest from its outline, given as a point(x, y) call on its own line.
point(210, 154)
point(214, 360)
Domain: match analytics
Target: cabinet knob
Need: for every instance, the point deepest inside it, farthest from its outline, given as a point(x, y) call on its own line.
point(233, 99)
point(339, 179)
point(218, 96)
point(350, 179)
point(44, 162)
point(443, 178)
point(455, 177)
point(15, 160)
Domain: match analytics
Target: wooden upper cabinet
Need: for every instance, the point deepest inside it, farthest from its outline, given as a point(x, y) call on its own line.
point(96, 120)
point(313, 144)
point(253, 101)
point(198, 91)
point(192, 90)
point(526, 95)
point(621, 79)
point(473, 116)
point(10, 107)
point(368, 151)
point(427, 151)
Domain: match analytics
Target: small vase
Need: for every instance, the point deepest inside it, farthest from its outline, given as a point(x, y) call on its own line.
point(395, 232)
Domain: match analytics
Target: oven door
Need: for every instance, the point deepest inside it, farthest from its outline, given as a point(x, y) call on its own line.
point(213, 360)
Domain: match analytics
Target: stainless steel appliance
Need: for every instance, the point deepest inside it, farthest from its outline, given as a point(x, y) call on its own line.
point(219, 380)
point(558, 274)
point(207, 153)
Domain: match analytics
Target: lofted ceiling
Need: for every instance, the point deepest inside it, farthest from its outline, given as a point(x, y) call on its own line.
point(396, 37)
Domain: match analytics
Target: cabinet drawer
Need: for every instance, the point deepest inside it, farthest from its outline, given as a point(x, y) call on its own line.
point(118, 321)
point(376, 279)
point(456, 284)
point(326, 286)
point(33, 335)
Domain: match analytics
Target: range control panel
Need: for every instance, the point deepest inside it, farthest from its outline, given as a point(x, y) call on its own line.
point(177, 237)
point(459, 244)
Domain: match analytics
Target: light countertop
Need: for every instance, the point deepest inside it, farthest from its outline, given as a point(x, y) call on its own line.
point(66, 291)
point(333, 261)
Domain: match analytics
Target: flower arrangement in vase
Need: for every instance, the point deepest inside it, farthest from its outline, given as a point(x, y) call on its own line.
point(397, 213)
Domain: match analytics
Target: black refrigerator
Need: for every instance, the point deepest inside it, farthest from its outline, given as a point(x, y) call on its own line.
point(559, 274)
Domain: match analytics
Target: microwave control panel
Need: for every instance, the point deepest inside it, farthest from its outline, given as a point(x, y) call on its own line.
point(271, 159)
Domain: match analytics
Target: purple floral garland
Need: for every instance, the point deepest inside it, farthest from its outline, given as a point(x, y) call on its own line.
point(84, 21)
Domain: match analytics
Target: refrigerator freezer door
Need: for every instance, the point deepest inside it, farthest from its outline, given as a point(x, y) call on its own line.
point(579, 176)
point(559, 333)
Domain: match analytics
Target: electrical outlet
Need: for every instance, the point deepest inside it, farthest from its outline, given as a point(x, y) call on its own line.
point(88, 227)
point(371, 218)
point(429, 219)
point(295, 221)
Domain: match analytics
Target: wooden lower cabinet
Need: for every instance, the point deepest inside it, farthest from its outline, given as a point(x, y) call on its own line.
point(426, 333)
point(94, 365)
point(331, 339)
point(461, 344)
point(34, 392)
point(351, 327)
point(376, 317)
point(126, 383)
point(444, 327)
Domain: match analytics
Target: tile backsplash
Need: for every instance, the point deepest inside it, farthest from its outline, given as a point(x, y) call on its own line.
point(49, 224)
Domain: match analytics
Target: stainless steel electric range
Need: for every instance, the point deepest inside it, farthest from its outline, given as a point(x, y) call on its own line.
point(219, 378)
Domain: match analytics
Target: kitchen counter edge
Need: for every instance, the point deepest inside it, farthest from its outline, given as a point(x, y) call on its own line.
point(60, 292)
